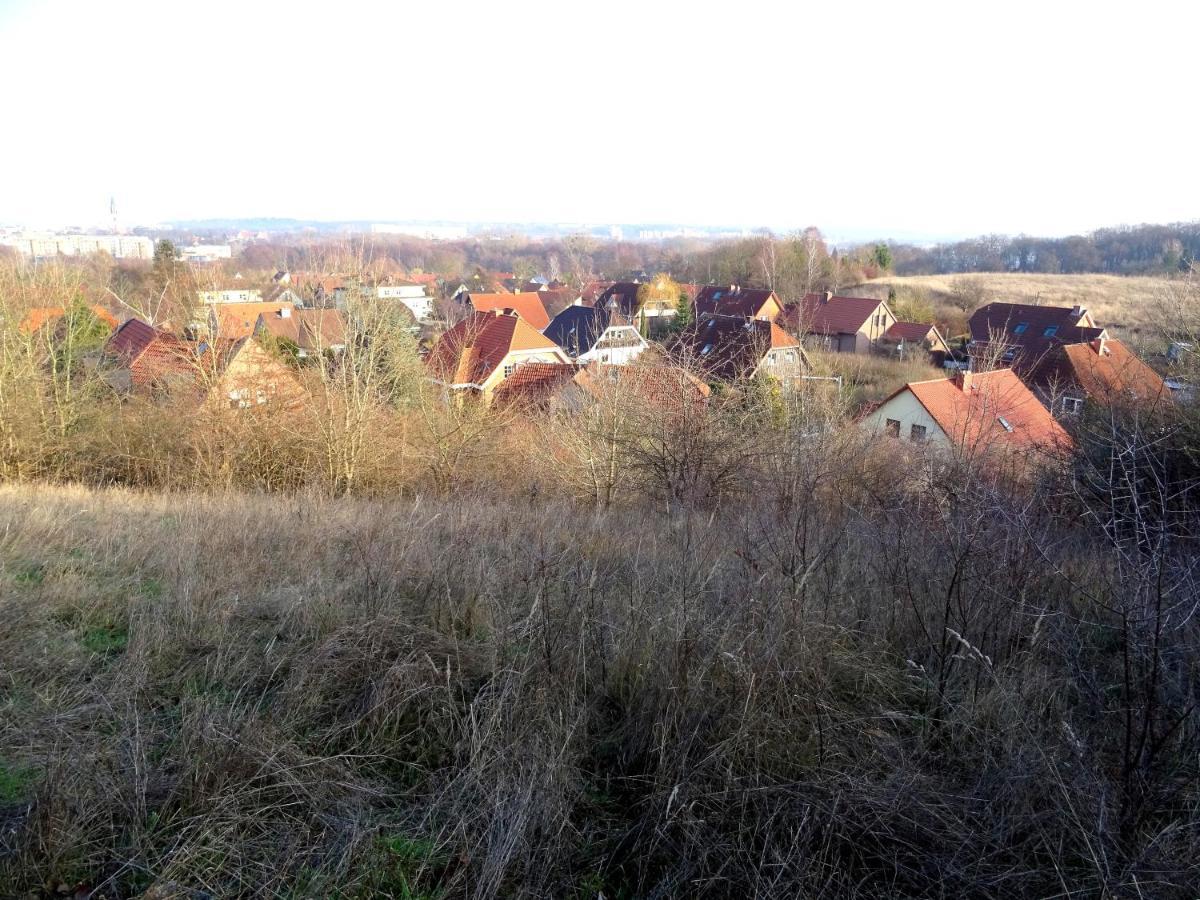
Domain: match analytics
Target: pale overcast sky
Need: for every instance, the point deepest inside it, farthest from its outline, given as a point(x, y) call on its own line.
point(895, 118)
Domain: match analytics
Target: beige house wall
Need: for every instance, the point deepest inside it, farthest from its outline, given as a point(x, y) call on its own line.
point(907, 409)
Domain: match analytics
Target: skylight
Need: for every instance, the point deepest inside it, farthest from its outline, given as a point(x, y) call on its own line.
point(1021, 328)
point(1051, 331)
point(707, 349)
point(1003, 421)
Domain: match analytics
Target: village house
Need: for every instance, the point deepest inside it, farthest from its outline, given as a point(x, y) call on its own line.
point(596, 334)
point(229, 293)
point(1021, 335)
point(232, 321)
point(486, 348)
point(311, 331)
point(729, 349)
point(592, 291)
point(909, 340)
point(971, 414)
point(141, 360)
point(1102, 371)
point(528, 305)
point(839, 324)
point(410, 293)
point(738, 302)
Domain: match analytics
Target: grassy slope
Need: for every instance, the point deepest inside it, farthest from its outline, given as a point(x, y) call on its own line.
point(1126, 305)
point(263, 696)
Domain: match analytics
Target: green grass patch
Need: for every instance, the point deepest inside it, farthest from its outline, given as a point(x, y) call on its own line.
point(15, 782)
point(106, 640)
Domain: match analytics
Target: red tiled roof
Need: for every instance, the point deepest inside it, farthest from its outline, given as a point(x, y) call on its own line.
point(972, 411)
point(663, 386)
point(312, 330)
point(593, 289)
point(532, 383)
point(237, 320)
point(732, 301)
point(470, 351)
point(1105, 369)
point(817, 314)
point(528, 305)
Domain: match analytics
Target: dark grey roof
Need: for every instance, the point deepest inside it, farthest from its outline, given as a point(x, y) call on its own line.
point(577, 328)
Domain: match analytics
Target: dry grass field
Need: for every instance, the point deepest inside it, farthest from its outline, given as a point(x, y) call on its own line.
point(1125, 305)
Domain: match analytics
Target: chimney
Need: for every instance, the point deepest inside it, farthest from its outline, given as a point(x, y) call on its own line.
point(1077, 312)
point(285, 312)
point(963, 379)
point(828, 295)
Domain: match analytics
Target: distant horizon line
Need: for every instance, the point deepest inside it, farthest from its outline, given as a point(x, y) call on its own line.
point(529, 228)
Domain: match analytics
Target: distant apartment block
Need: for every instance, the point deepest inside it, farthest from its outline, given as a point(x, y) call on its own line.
point(43, 246)
point(206, 253)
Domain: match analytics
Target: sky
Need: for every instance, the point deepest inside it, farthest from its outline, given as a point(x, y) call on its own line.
point(916, 119)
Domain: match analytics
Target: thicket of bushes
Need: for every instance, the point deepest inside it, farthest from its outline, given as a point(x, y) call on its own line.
point(381, 645)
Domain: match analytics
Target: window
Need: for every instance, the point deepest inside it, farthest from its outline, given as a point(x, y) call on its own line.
point(1021, 328)
point(706, 350)
point(893, 428)
point(1003, 421)
point(1072, 406)
point(509, 369)
point(1051, 331)
point(917, 435)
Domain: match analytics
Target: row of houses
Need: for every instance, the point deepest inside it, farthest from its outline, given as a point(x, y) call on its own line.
point(1030, 365)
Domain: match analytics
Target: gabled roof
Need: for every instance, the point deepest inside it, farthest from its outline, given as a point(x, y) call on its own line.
point(914, 332)
point(728, 348)
point(1032, 331)
point(593, 289)
point(732, 300)
point(528, 305)
point(470, 351)
point(978, 411)
point(555, 300)
point(577, 328)
point(312, 330)
point(1105, 369)
point(150, 353)
point(662, 386)
point(621, 296)
point(237, 320)
point(825, 314)
point(533, 383)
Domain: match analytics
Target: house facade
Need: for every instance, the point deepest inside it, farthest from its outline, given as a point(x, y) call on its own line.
point(971, 415)
point(596, 334)
point(839, 324)
point(484, 349)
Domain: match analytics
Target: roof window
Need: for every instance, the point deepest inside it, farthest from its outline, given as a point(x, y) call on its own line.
point(1003, 421)
point(1051, 331)
point(1021, 328)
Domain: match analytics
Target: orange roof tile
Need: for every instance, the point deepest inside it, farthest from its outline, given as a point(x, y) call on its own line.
point(527, 305)
point(980, 410)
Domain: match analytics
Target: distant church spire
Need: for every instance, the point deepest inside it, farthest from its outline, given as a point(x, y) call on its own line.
point(112, 212)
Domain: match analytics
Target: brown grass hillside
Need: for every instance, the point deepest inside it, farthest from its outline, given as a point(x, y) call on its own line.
point(1125, 305)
